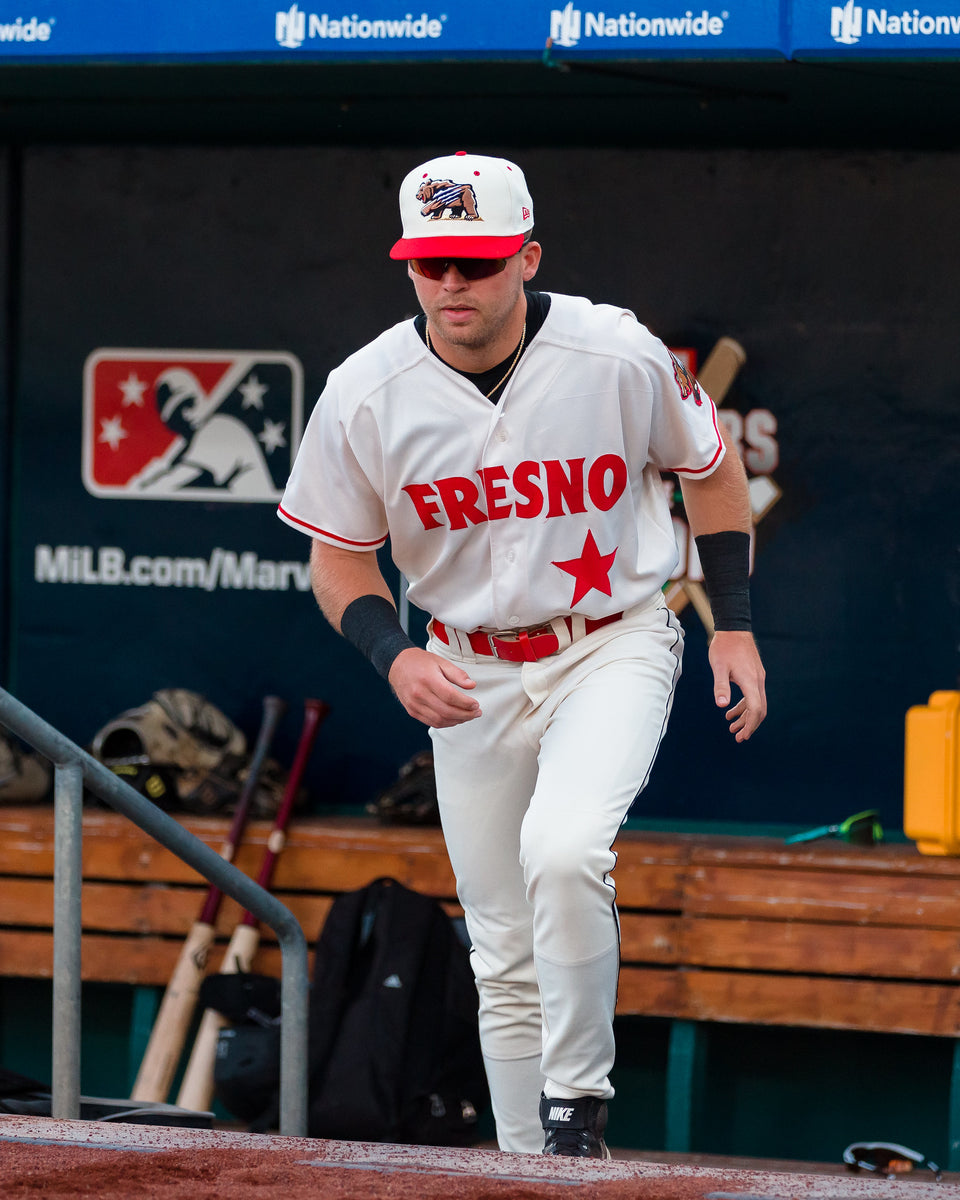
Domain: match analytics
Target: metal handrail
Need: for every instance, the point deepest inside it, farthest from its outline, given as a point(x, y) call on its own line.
point(74, 768)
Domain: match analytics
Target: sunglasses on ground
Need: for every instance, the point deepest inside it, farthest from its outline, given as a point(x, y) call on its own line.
point(470, 268)
point(886, 1158)
point(863, 829)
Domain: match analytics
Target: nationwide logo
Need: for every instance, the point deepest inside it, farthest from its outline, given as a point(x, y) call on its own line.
point(26, 30)
point(846, 24)
point(851, 22)
point(291, 28)
point(190, 425)
point(568, 25)
point(294, 27)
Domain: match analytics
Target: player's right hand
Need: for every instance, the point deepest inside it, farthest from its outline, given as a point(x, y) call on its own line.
point(433, 690)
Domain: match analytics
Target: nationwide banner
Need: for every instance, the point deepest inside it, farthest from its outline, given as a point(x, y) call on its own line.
point(375, 30)
point(861, 30)
point(385, 29)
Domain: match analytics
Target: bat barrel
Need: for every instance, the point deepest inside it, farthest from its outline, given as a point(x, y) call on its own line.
point(196, 1090)
point(273, 709)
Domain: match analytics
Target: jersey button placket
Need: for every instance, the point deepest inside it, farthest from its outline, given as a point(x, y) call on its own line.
point(503, 554)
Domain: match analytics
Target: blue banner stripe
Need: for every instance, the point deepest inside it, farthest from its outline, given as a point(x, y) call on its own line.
point(50, 30)
point(382, 29)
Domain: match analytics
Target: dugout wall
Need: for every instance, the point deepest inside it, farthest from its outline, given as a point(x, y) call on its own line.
point(271, 261)
point(8, 315)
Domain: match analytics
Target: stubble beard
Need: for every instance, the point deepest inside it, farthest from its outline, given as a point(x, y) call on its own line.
point(482, 331)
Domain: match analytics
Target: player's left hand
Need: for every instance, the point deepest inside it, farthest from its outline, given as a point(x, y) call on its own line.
point(734, 658)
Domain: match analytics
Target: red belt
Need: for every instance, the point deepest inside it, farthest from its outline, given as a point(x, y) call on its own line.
point(527, 645)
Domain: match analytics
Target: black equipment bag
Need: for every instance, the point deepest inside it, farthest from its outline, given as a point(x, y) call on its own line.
point(394, 1048)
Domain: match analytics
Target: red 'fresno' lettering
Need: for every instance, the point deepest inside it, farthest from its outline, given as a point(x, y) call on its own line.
point(495, 492)
point(426, 509)
point(459, 498)
point(523, 481)
point(563, 486)
point(606, 497)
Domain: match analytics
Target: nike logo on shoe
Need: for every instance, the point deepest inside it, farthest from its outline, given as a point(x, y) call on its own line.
point(559, 1113)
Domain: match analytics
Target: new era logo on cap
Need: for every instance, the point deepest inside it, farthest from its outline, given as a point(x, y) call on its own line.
point(465, 206)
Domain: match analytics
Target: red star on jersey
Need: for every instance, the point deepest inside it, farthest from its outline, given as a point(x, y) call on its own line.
point(591, 570)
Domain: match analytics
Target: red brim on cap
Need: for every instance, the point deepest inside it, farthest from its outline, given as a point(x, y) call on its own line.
point(454, 246)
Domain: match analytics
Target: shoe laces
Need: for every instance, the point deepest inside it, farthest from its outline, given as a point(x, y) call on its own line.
point(577, 1143)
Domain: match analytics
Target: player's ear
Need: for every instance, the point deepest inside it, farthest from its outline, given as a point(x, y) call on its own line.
point(530, 260)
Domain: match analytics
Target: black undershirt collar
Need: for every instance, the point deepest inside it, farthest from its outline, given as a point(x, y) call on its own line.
point(538, 305)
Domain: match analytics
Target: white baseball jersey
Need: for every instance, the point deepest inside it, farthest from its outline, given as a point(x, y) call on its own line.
point(503, 516)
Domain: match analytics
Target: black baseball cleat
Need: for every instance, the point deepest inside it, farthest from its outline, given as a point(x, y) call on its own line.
point(574, 1127)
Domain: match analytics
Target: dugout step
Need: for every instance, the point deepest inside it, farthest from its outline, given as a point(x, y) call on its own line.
point(101, 1109)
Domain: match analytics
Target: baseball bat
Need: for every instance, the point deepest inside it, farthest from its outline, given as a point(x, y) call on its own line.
point(719, 370)
point(169, 1032)
point(196, 1089)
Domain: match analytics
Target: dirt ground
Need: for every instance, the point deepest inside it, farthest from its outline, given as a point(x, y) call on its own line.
point(42, 1157)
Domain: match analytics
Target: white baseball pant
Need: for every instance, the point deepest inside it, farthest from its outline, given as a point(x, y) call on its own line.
point(532, 795)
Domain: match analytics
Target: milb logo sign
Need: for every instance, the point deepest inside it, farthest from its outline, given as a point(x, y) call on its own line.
point(190, 424)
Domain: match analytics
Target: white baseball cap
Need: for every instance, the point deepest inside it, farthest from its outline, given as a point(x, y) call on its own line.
point(464, 206)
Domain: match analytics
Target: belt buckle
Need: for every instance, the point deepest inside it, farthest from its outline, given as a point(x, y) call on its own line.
point(521, 644)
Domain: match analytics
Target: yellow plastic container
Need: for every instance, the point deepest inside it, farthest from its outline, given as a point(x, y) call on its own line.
point(931, 793)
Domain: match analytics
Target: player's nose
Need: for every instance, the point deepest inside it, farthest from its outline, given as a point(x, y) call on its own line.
point(452, 279)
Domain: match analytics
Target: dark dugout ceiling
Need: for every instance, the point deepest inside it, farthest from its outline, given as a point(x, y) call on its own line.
point(896, 104)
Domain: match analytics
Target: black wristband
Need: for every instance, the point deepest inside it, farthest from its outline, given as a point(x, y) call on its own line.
point(372, 625)
point(725, 559)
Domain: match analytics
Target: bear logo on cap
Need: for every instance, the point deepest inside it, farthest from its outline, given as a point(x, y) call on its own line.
point(438, 196)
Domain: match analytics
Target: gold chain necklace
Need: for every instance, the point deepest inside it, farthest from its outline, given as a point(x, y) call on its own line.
point(513, 362)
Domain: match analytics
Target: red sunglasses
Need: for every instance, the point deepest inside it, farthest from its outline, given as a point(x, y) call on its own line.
point(470, 268)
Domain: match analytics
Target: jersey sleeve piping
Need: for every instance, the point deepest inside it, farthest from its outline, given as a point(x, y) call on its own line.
point(715, 461)
point(297, 523)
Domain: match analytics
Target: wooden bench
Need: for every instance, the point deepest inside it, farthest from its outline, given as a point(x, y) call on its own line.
point(714, 928)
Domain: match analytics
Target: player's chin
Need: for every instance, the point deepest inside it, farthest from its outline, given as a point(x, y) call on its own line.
point(461, 326)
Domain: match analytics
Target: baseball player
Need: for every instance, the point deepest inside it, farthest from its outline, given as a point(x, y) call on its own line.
point(510, 443)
